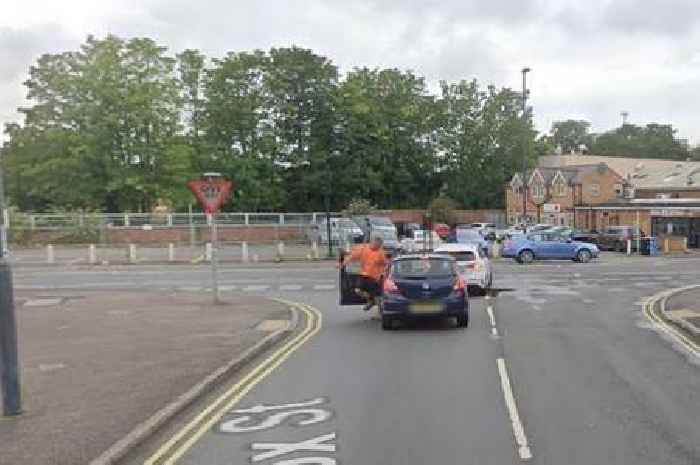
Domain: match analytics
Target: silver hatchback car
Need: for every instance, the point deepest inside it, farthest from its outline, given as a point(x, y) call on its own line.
point(473, 265)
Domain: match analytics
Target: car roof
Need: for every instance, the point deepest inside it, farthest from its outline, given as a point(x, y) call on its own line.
point(414, 256)
point(460, 247)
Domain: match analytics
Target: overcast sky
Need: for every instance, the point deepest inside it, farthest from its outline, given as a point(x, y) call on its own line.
point(590, 59)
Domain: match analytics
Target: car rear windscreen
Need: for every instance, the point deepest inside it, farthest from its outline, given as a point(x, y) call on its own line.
point(423, 266)
point(463, 256)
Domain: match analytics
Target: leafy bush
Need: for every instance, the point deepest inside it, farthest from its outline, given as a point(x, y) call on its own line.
point(358, 207)
point(442, 210)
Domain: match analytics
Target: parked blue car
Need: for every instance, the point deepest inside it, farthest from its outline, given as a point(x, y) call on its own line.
point(548, 246)
point(472, 236)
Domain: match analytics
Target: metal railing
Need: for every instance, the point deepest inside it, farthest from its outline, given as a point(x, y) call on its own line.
point(55, 221)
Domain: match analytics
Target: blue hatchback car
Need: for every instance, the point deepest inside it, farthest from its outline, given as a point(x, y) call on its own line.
point(414, 287)
point(423, 286)
point(548, 246)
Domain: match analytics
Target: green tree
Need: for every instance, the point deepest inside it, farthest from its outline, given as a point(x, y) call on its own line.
point(191, 70)
point(300, 86)
point(103, 124)
point(650, 141)
point(238, 130)
point(483, 138)
point(571, 134)
point(387, 148)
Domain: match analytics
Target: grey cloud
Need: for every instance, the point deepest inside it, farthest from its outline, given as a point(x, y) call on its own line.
point(20, 47)
point(562, 40)
point(666, 17)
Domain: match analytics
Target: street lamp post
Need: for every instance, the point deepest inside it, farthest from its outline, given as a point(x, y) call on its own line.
point(9, 362)
point(525, 144)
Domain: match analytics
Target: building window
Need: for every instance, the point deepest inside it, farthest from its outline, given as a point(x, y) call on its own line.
point(594, 190)
point(538, 190)
point(560, 189)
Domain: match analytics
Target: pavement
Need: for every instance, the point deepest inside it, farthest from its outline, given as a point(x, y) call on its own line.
point(561, 367)
point(95, 364)
point(683, 309)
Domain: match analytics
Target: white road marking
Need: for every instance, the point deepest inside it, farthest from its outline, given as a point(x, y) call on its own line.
point(324, 287)
point(518, 431)
point(291, 287)
point(588, 301)
point(51, 366)
point(266, 408)
point(256, 288)
point(494, 332)
point(537, 307)
point(228, 288)
point(489, 310)
point(317, 444)
point(43, 302)
point(190, 289)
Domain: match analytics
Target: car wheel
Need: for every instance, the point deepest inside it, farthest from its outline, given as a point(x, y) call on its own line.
point(463, 320)
point(584, 256)
point(526, 256)
point(387, 323)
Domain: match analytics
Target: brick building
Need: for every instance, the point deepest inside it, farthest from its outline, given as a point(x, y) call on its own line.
point(661, 196)
point(554, 193)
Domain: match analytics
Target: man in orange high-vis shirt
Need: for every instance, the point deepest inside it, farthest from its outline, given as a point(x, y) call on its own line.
point(373, 263)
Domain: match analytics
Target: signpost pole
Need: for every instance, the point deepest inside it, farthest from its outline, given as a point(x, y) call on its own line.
point(215, 260)
point(639, 235)
point(9, 360)
point(212, 191)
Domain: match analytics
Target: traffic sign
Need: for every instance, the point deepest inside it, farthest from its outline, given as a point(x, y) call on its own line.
point(212, 191)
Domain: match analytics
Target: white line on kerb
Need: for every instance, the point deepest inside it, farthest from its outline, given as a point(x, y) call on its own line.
point(489, 310)
point(518, 430)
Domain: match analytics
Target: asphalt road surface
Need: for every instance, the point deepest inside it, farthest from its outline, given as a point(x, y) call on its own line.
point(560, 368)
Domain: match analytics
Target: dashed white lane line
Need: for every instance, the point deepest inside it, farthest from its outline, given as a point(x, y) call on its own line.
point(494, 332)
point(255, 288)
point(291, 287)
point(518, 431)
point(324, 287)
point(489, 310)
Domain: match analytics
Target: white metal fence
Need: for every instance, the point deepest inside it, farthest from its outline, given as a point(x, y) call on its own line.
point(53, 221)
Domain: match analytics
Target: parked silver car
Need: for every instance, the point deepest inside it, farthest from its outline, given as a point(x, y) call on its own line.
point(473, 265)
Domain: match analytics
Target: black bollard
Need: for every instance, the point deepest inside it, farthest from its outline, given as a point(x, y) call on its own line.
point(9, 366)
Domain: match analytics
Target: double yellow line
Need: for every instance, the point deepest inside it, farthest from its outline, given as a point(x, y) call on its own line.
point(171, 451)
point(665, 326)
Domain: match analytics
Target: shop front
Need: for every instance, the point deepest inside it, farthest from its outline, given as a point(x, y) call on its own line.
point(677, 222)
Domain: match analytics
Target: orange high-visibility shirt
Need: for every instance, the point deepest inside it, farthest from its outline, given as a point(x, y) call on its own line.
point(372, 262)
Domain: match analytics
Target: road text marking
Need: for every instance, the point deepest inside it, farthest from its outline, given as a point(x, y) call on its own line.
point(173, 450)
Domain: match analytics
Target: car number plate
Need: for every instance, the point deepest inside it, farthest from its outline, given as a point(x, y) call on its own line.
point(426, 307)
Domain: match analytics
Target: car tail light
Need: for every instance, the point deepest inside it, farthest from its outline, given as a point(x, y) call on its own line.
point(459, 286)
point(390, 287)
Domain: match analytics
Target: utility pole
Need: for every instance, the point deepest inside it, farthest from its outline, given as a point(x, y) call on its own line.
point(9, 360)
point(624, 115)
point(525, 144)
